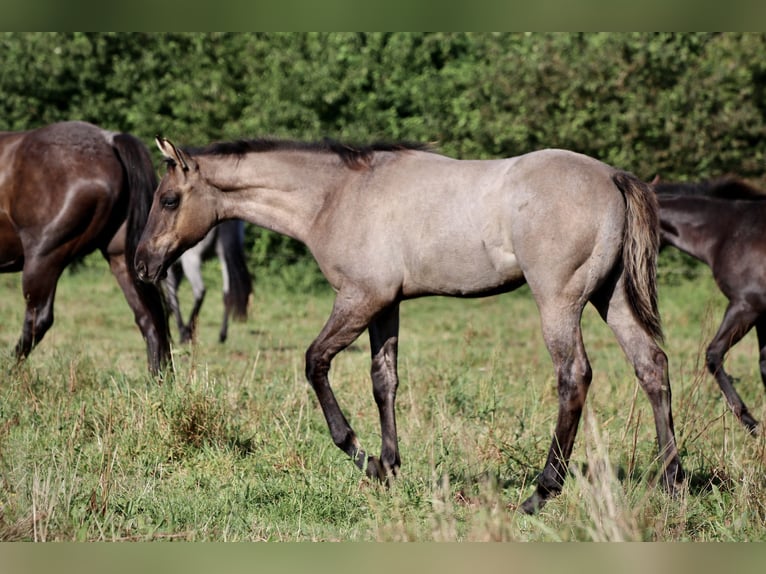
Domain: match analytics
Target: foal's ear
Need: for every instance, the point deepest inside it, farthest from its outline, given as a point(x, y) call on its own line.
point(171, 152)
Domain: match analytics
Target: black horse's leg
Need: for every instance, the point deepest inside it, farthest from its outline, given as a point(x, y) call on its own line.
point(384, 342)
point(563, 337)
point(738, 319)
point(351, 314)
point(39, 280)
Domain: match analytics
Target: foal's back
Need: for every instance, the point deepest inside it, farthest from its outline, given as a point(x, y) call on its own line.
point(435, 225)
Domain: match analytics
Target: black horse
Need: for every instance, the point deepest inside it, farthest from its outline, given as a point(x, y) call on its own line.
point(722, 222)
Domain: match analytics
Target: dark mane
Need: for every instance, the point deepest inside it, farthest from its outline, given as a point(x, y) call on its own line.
point(727, 187)
point(354, 156)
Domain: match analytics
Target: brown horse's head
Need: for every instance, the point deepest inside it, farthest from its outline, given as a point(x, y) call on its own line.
point(182, 213)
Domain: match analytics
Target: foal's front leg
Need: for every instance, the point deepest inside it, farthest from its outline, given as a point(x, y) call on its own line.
point(351, 314)
point(384, 343)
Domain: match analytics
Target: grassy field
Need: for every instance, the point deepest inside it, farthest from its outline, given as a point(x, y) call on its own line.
point(236, 447)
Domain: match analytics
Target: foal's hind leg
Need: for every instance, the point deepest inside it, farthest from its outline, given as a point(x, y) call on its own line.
point(563, 337)
point(651, 367)
point(737, 321)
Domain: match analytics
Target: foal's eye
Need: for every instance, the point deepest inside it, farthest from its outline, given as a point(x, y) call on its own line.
point(169, 201)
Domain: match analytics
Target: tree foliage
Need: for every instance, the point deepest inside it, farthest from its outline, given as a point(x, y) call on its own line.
point(686, 106)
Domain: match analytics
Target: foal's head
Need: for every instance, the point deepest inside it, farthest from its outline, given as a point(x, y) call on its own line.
point(181, 214)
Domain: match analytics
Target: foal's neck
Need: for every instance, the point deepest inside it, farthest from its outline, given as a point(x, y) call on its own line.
point(282, 190)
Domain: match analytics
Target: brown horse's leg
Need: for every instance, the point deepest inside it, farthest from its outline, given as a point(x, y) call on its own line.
point(384, 342)
point(563, 337)
point(153, 329)
point(651, 367)
point(39, 279)
point(760, 328)
point(737, 321)
point(350, 316)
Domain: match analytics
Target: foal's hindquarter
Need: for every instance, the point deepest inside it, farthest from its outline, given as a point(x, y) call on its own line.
point(553, 219)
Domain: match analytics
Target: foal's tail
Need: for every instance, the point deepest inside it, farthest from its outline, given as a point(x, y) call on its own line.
point(232, 245)
point(141, 183)
point(639, 250)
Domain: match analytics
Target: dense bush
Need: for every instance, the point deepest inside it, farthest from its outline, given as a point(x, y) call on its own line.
point(683, 105)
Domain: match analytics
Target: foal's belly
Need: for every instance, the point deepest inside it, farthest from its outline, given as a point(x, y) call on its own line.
point(460, 272)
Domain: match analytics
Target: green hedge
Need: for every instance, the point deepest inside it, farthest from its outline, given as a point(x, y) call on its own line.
point(685, 106)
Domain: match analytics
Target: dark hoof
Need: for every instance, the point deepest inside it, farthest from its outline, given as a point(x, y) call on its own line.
point(750, 424)
point(532, 504)
point(374, 469)
point(673, 479)
point(377, 471)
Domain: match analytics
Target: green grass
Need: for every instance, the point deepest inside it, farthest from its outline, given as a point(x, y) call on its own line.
point(236, 447)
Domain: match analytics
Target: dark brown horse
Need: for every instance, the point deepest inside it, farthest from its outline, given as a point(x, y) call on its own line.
point(722, 222)
point(389, 223)
point(66, 190)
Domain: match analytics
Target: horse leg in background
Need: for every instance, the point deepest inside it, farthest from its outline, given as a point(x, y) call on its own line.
point(738, 319)
point(563, 338)
point(351, 314)
point(191, 262)
point(224, 332)
point(227, 304)
point(384, 343)
point(237, 282)
point(651, 367)
point(39, 279)
point(170, 286)
point(157, 344)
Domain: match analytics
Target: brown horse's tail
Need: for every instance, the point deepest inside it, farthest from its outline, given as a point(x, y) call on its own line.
point(141, 183)
point(232, 242)
point(639, 250)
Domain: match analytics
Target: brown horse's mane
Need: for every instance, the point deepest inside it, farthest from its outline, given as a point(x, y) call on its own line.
point(726, 187)
point(353, 156)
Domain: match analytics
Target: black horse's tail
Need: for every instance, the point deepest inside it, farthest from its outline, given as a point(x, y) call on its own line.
point(141, 182)
point(231, 238)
